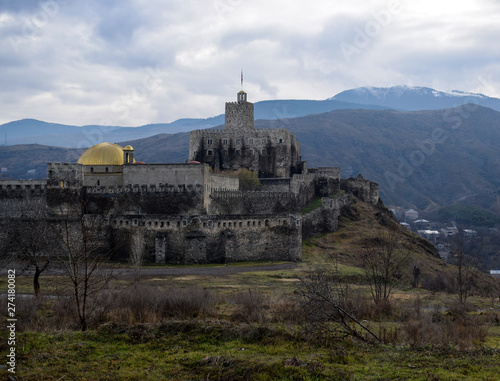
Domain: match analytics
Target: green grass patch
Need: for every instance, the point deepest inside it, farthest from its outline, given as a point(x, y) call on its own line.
point(230, 351)
point(314, 204)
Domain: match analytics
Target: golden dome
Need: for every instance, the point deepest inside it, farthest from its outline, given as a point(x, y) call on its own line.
point(128, 148)
point(102, 154)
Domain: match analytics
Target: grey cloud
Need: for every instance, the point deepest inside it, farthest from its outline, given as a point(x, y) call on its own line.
point(92, 52)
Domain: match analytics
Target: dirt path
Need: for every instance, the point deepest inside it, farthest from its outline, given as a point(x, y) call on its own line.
point(178, 270)
point(212, 270)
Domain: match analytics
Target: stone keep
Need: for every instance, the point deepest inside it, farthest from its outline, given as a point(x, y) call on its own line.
point(273, 153)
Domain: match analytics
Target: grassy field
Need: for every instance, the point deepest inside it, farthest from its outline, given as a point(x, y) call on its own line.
point(201, 350)
point(206, 324)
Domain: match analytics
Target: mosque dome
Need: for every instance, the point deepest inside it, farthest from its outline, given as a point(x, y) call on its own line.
point(103, 154)
point(128, 148)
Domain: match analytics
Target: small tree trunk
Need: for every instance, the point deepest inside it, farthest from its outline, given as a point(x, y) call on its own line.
point(36, 278)
point(84, 324)
point(36, 281)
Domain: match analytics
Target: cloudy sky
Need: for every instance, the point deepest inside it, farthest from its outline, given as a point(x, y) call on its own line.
point(133, 62)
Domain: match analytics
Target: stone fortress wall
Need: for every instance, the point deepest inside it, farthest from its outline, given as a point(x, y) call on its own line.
point(209, 238)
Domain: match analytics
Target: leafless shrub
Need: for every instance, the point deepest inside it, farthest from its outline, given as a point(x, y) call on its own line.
point(143, 304)
point(363, 307)
point(439, 282)
point(410, 310)
point(286, 309)
point(463, 333)
point(251, 307)
point(188, 303)
point(438, 326)
point(327, 306)
point(64, 314)
point(27, 311)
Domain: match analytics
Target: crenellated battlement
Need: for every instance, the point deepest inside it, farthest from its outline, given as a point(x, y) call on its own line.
point(257, 131)
point(145, 188)
point(62, 165)
point(251, 194)
point(204, 222)
point(23, 185)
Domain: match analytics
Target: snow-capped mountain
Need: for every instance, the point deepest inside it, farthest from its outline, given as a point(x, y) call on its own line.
point(414, 98)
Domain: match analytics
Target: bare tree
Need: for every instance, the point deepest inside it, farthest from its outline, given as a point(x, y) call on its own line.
point(465, 251)
point(83, 253)
point(416, 275)
point(324, 300)
point(28, 237)
point(383, 261)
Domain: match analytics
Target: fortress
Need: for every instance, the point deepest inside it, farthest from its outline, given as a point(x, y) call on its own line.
point(198, 212)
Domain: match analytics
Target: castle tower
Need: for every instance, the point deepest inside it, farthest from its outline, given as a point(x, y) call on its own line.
point(239, 115)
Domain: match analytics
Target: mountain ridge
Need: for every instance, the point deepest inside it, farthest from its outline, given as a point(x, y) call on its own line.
point(422, 159)
point(27, 131)
point(402, 98)
point(414, 98)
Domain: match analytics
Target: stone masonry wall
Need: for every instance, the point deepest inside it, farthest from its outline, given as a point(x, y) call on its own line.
point(218, 182)
point(271, 152)
point(204, 239)
point(169, 202)
point(18, 198)
point(365, 190)
point(235, 203)
point(326, 218)
point(239, 116)
point(275, 185)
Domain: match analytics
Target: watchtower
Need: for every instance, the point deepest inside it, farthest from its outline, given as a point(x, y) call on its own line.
point(239, 115)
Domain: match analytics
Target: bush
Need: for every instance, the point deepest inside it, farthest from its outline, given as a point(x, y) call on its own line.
point(251, 307)
point(439, 282)
point(286, 309)
point(28, 307)
point(439, 327)
point(143, 304)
